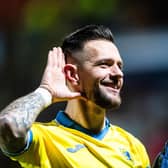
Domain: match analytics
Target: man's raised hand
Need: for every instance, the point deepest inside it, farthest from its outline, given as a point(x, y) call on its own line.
point(53, 78)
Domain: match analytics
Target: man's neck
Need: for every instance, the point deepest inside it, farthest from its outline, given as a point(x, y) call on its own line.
point(87, 114)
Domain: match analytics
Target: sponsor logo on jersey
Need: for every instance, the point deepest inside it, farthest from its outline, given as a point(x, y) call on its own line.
point(75, 148)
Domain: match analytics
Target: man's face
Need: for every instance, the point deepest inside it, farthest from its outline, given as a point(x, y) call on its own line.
point(100, 73)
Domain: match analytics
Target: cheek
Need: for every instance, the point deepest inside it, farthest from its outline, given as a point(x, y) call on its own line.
point(88, 82)
point(91, 78)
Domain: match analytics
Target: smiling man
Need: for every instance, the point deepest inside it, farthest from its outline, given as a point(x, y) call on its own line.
point(87, 72)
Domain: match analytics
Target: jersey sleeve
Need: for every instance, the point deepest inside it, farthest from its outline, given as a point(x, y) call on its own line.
point(30, 156)
point(26, 147)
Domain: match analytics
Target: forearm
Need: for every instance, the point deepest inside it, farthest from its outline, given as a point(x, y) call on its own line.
point(17, 118)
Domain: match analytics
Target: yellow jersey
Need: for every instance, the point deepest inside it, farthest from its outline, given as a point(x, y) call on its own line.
point(62, 143)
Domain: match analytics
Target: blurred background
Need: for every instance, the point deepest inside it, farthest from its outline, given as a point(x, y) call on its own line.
point(29, 28)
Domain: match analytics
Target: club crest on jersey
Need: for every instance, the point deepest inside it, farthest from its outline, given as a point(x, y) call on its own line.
point(126, 154)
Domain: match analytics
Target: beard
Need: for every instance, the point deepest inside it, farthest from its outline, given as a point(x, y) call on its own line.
point(104, 100)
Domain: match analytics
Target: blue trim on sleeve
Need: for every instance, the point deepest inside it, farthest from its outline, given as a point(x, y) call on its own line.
point(29, 141)
point(64, 120)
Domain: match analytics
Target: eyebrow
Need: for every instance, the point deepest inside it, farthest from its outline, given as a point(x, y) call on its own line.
point(107, 60)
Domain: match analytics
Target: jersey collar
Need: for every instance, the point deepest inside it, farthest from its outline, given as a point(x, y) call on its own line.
point(63, 119)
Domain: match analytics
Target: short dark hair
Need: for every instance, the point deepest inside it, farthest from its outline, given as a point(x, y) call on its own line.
point(76, 40)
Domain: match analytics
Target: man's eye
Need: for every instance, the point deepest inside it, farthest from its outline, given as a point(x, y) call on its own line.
point(104, 65)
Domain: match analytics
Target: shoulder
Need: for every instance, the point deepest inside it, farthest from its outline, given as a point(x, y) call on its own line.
point(129, 139)
point(133, 143)
point(41, 129)
point(124, 133)
point(47, 125)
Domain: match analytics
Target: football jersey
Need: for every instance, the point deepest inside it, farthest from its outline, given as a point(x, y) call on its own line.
point(62, 143)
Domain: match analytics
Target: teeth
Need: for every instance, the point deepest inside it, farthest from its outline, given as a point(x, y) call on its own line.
point(113, 83)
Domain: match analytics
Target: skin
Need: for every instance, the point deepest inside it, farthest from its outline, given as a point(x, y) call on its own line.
point(79, 82)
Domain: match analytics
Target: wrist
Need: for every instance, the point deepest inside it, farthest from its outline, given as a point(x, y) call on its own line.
point(46, 95)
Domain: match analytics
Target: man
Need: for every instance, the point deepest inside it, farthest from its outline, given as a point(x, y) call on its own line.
point(87, 72)
point(162, 158)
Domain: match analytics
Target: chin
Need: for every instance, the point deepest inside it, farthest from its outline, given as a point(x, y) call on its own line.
point(116, 101)
point(114, 105)
point(105, 99)
point(108, 102)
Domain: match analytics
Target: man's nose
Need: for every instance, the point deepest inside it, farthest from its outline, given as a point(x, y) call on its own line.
point(116, 70)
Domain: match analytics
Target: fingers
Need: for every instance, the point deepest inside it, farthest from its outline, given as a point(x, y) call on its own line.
point(56, 58)
point(50, 57)
point(60, 57)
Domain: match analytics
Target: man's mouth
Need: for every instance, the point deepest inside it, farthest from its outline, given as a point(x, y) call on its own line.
point(115, 85)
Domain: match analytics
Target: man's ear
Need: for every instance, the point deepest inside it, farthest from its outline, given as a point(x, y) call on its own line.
point(71, 74)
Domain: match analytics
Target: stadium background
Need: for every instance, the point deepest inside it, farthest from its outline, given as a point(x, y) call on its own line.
point(29, 28)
